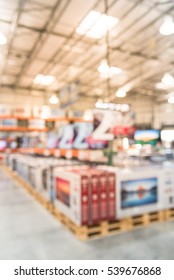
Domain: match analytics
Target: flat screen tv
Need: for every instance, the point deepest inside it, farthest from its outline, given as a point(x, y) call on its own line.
point(138, 192)
point(167, 135)
point(151, 136)
point(3, 145)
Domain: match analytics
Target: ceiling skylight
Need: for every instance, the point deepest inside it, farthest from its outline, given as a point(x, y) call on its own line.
point(43, 80)
point(95, 25)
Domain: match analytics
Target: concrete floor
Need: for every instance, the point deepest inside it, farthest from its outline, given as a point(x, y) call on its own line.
point(28, 231)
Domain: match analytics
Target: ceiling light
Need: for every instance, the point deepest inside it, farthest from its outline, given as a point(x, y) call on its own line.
point(167, 28)
point(44, 80)
point(95, 25)
point(3, 39)
point(120, 93)
point(161, 86)
point(88, 115)
point(54, 99)
point(167, 80)
point(171, 99)
point(103, 67)
point(108, 72)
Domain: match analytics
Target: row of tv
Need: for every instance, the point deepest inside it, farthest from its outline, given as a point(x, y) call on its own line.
point(88, 194)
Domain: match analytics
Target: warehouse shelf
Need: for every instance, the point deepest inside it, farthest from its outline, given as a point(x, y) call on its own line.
point(23, 129)
point(91, 155)
point(53, 119)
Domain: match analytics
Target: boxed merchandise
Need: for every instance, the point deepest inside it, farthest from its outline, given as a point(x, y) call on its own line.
point(5, 110)
point(9, 123)
point(72, 194)
point(138, 191)
point(44, 174)
point(86, 195)
point(37, 123)
point(168, 186)
point(41, 112)
point(22, 111)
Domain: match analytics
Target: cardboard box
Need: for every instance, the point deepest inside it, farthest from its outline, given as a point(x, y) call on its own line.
point(72, 194)
point(138, 192)
point(168, 187)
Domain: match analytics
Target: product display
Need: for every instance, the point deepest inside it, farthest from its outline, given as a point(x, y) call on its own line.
point(85, 194)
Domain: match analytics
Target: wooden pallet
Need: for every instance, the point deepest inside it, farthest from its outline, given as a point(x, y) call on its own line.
point(102, 229)
point(145, 219)
point(169, 214)
point(94, 231)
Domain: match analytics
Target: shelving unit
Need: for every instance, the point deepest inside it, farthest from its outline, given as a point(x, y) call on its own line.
point(23, 129)
point(54, 119)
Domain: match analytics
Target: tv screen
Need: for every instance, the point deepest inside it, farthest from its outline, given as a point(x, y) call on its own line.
point(138, 192)
point(167, 135)
point(150, 136)
point(3, 144)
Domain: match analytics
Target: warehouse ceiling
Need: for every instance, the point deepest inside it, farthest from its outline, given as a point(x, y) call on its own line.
point(42, 38)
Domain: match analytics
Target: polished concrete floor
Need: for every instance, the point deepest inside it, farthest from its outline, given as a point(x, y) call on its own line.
point(28, 231)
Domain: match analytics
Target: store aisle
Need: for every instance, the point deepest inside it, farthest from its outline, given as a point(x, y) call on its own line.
point(28, 231)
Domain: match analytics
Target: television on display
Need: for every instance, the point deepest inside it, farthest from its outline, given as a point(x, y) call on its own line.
point(3, 144)
point(151, 136)
point(139, 192)
point(13, 145)
point(167, 135)
point(63, 191)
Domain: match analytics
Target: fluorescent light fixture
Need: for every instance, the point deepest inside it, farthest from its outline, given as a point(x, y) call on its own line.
point(44, 80)
point(120, 93)
point(171, 99)
point(108, 72)
point(54, 99)
point(161, 86)
point(167, 28)
point(3, 39)
point(112, 106)
point(103, 67)
point(167, 80)
point(96, 25)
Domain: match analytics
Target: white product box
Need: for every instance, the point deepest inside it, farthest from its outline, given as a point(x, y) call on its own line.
point(41, 112)
point(5, 110)
point(168, 187)
point(37, 123)
point(71, 191)
point(44, 175)
point(22, 111)
point(138, 191)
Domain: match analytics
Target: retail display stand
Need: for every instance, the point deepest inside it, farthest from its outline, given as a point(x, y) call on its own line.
point(102, 229)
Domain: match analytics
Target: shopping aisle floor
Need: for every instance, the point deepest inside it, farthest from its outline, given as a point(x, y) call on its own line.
point(28, 231)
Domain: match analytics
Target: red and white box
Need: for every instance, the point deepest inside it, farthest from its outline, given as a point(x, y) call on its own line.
point(72, 193)
point(111, 196)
